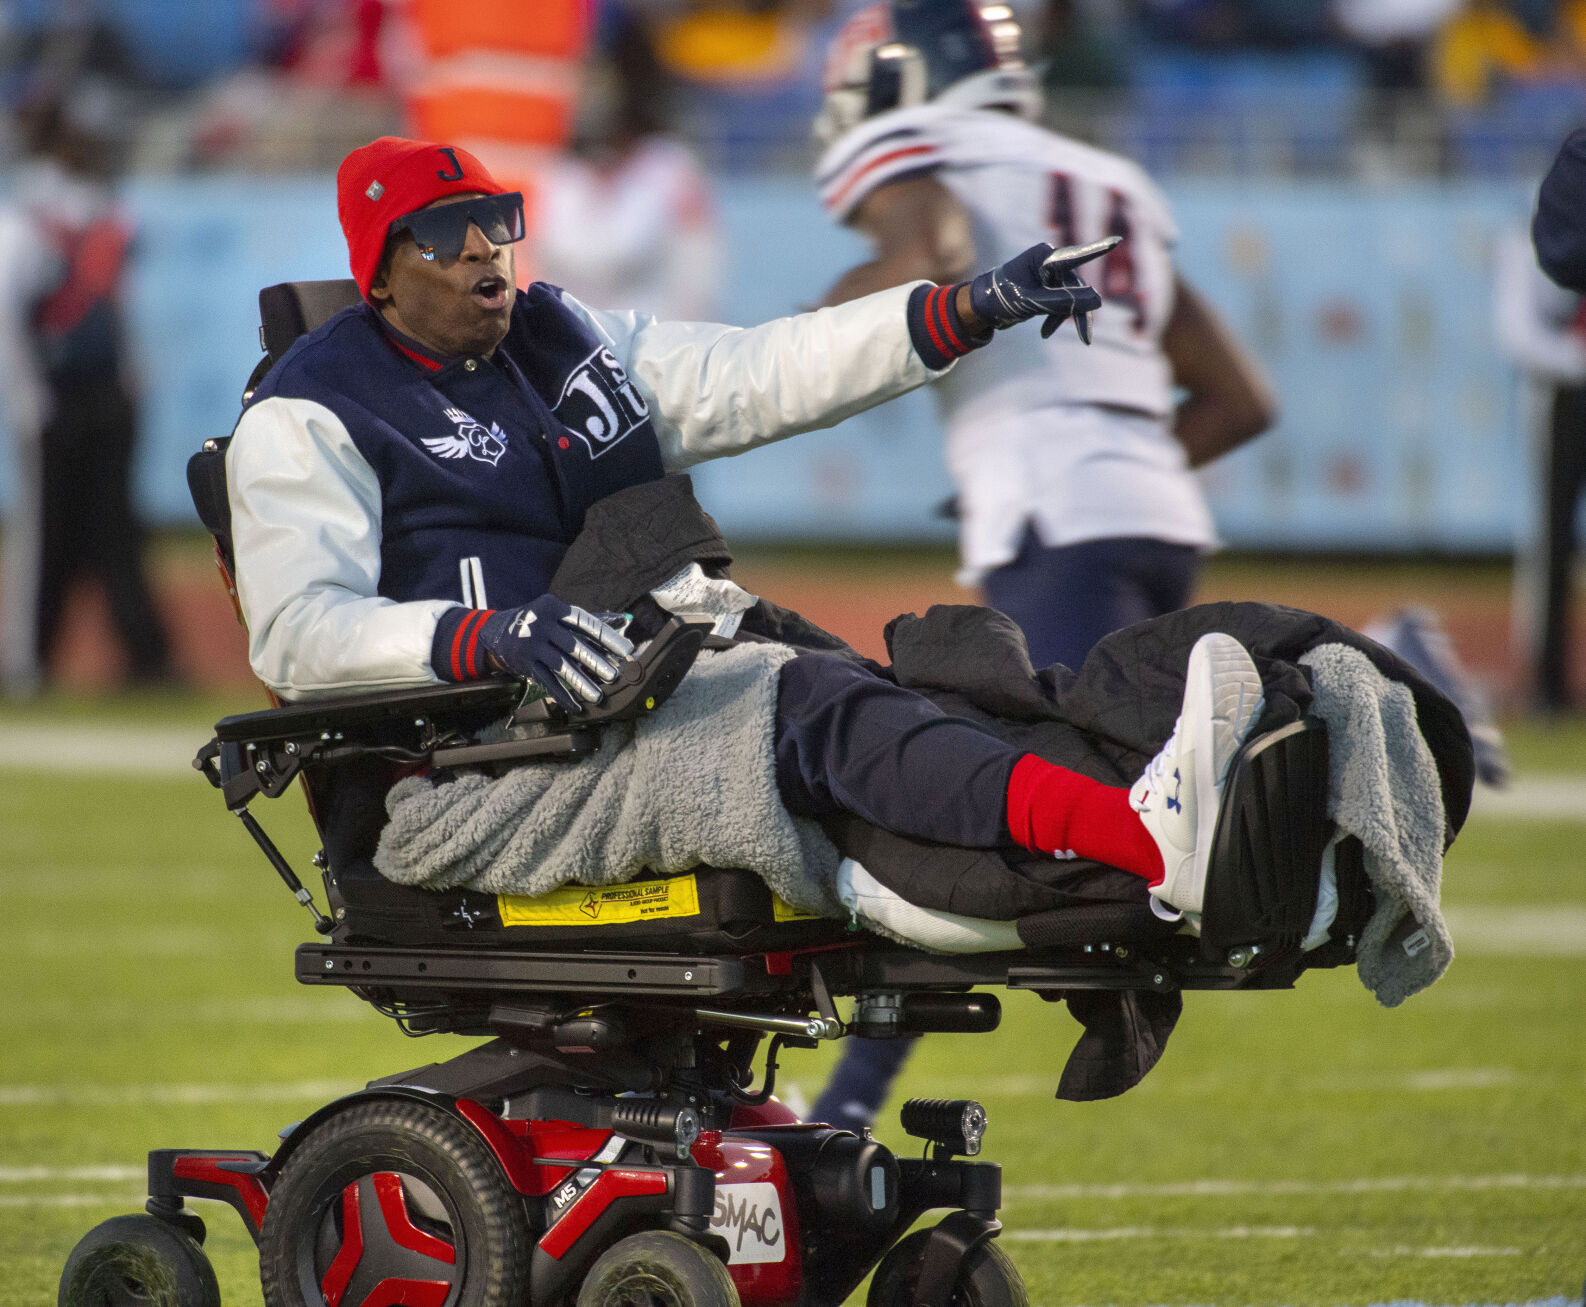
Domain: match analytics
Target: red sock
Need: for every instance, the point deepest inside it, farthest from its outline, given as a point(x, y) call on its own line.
point(1054, 810)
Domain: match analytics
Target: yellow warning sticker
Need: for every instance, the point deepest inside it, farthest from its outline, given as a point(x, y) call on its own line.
point(603, 905)
point(782, 910)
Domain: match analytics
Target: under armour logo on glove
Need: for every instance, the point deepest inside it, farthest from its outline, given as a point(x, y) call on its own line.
point(569, 653)
point(1040, 282)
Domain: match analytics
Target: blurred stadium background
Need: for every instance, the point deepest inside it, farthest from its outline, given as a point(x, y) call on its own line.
point(1342, 171)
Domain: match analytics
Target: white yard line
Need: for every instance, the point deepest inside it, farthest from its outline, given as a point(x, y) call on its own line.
point(56, 1174)
point(1424, 1080)
point(1555, 931)
point(1535, 797)
point(131, 1199)
point(1400, 1250)
point(1383, 1184)
point(1197, 1233)
point(172, 1095)
point(132, 750)
point(76, 747)
point(1161, 1232)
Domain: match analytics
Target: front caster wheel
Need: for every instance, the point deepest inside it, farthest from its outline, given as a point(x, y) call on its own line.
point(657, 1269)
point(394, 1202)
point(987, 1276)
point(138, 1261)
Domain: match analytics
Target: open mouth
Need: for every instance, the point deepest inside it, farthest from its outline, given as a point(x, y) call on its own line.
point(491, 292)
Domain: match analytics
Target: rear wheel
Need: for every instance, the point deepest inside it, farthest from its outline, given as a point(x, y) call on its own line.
point(138, 1261)
point(987, 1276)
point(394, 1201)
point(657, 1269)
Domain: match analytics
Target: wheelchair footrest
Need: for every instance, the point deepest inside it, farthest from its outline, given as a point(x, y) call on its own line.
point(1266, 855)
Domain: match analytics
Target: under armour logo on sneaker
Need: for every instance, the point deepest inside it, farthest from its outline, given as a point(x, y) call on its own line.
point(1178, 788)
point(523, 625)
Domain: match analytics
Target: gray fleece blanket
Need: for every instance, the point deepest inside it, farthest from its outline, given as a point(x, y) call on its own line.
point(1383, 789)
point(692, 785)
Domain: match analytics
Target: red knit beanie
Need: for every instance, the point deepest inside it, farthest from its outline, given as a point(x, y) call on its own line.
point(379, 182)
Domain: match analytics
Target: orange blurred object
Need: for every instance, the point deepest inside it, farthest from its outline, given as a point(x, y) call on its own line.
point(455, 113)
point(556, 29)
point(501, 78)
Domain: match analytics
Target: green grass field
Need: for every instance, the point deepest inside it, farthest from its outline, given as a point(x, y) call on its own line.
point(1292, 1148)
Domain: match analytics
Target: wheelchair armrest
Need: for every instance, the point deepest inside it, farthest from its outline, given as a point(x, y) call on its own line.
point(263, 752)
point(472, 724)
point(356, 713)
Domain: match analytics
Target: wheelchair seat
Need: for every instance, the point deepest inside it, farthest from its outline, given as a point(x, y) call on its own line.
point(455, 953)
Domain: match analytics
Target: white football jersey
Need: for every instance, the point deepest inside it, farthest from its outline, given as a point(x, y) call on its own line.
point(1075, 473)
point(1023, 184)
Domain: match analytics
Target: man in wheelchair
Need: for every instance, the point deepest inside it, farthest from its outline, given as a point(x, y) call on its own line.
point(444, 488)
point(406, 480)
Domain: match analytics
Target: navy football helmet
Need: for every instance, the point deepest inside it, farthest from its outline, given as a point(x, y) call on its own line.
point(904, 52)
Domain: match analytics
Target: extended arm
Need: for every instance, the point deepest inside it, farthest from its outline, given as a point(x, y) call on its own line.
point(713, 391)
point(1230, 399)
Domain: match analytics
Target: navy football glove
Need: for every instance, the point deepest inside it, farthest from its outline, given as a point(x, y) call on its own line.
point(1041, 281)
point(568, 653)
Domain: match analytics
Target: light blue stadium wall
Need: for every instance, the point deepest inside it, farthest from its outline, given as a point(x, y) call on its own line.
point(1372, 308)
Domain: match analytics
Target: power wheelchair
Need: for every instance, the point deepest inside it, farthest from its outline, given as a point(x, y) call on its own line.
point(613, 1142)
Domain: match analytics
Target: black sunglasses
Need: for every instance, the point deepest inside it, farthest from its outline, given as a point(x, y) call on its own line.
point(442, 232)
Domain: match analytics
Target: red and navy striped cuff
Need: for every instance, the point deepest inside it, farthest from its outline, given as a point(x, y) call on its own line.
point(456, 654)
point(939, 333)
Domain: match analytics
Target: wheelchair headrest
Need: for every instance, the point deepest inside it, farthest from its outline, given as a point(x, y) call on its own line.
point(206, 482)
point(294, 308)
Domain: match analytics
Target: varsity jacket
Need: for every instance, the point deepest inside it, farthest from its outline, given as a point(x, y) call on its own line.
point(375, 486)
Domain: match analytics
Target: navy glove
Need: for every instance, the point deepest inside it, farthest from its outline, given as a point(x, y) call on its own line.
point(1041, 281)
point(568, 653)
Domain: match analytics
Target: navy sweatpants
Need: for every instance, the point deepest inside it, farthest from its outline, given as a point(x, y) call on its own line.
point(849, 739)
point(1065, 598)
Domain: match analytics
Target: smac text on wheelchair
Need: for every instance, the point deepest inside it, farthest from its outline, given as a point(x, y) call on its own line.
point(617, 1139)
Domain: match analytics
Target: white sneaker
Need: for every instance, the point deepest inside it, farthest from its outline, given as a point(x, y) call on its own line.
point(1179, 794)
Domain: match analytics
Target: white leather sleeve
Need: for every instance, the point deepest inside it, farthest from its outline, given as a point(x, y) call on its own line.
point(305, 526)
point(715, 391)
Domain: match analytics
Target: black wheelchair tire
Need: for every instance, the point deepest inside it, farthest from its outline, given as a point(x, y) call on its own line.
point(657, 1268)
point(987, 1276)
point(138, 1261)
point(449, 1191)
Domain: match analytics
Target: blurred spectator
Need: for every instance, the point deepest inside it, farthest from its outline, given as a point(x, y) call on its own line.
point(1394, 36)
point(1483, 45)
point(748, 72)
point(1225, 25)
point(1081, 45)
point(64, 245)
point(1540, 327)
point(320, 80)
point(627, 217)
point(734, 41)
point(1416, 634)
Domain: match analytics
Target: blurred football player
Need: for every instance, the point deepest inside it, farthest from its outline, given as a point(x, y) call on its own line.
point(67, 399)
point(1078, 510)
